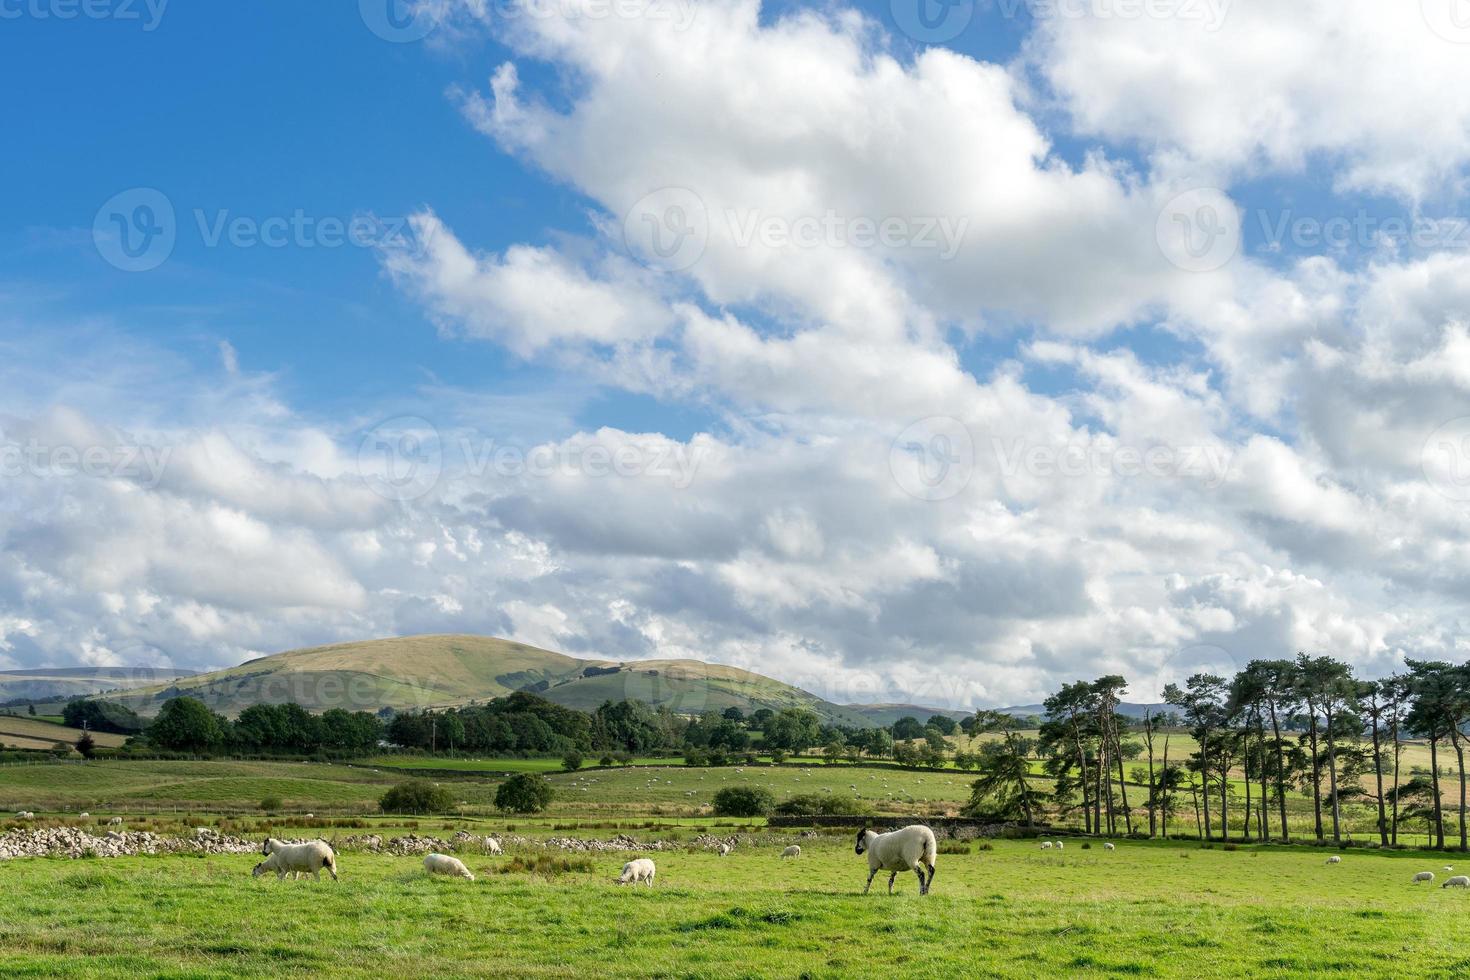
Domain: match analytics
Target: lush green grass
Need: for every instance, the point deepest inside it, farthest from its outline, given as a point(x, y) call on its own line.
point(1153, 910)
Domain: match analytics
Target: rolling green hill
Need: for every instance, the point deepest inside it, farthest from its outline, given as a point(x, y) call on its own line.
point(441, 671)
point(60, 683)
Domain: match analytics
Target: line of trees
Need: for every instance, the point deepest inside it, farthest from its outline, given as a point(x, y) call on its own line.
point(1304, 724)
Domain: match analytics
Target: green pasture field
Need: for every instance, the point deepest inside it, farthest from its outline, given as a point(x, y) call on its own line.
point(1170, 910)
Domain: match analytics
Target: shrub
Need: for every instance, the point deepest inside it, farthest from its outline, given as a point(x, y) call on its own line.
point(954, 847)
point(270, 803)
point(546, 865)
point(1086, 846)
point(523, 793)
point(743, 801)
point(824, 805)
point(572, 761)
point(416, 796)
point(778, 757)
point(606, 760)
point(696, 757)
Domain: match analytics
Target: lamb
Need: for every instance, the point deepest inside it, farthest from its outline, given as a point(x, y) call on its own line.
point(909, 849)
point(309, 858)
point(1108, 846)
point(1458, 881)
point(793, 851)
point(1424, 876)
point(639, 869)
point(443, 864)
point(1046, 845)
point(1335, 859)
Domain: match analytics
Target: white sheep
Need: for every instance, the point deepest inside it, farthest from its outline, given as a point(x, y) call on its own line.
point(1046, 845)
point(492, 846)
point(443, 864)
point(909, 849)
point(1108, 846)
point(1424, 876)
point(311, 816)
point(83, 815)
point(723, 850)
point(794, 851)
point(639, 869)
point(1060, 845)
point(1458, 881)
point(309, 858)
point(1335, 859)
point(115, 822)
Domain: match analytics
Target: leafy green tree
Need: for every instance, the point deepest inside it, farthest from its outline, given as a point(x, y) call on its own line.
point(793, 730)
point(524, 793)
point(943, 724)
point(87, 745)
point(572, 761)
point(101, 716)
point(1202, 702)
point(907, 728)
point(186, 724)
point(416, 796)
point(743, 801)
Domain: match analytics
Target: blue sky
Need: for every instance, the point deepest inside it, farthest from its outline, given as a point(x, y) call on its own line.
point(1317, 379)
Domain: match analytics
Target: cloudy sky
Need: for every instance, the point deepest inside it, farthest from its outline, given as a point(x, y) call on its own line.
point(943, 353)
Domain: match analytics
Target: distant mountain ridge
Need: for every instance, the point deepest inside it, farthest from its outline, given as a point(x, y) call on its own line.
point(1126, 708)
point(60, 683)
point(438, 671)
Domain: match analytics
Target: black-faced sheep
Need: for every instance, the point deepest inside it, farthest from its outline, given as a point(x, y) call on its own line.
point(911, 848)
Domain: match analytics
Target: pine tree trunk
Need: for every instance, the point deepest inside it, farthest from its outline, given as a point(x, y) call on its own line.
point(1378, 774)
point(1280, 775)
point(1434, 768)
point(1332, 776)
point(1316, 775)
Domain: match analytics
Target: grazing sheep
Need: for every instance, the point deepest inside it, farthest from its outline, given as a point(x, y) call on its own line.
point(309, 858)
point(909, 849)
point(640, 869)
point(1458, 881)
point(1424, 876)
point(1046, 845)
point(1335, 859)
point(115, 822)
point(1448, 868)
point(492, 846)
point(1108, 846)
point(1060, 845)
point(311, 816)
point(83, 815)
point(723, 849)
point(793, 851)
point(443, 864)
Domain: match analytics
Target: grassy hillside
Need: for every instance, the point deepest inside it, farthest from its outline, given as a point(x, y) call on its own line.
point(440, 671)
point(33, 733)
point(886, 714)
